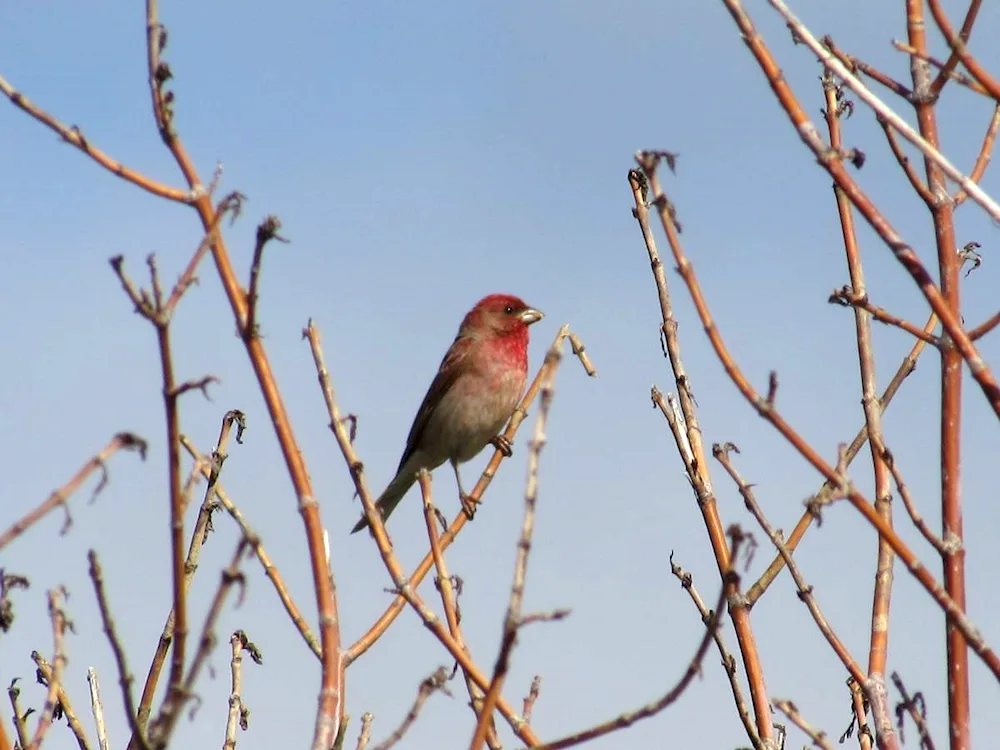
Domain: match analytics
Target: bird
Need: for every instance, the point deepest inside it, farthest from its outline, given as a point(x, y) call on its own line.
point(477, 387)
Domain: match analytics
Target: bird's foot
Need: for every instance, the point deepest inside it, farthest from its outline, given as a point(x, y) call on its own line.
point(503, 445)
point(469, 505)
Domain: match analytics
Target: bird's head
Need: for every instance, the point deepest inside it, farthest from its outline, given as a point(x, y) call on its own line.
point(500, 315)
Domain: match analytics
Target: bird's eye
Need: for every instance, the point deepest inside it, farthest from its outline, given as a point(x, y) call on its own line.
point(509, 310)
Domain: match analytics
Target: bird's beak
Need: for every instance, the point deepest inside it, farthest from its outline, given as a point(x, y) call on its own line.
point(530, 315)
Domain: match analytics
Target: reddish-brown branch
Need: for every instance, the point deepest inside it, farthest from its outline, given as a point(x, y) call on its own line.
point(850, 296)
point(948, 69)
point(911, 507)
point(983, 328)
point(862, 67)
point(953, 75)
point(123, 440)
point(766, 408)
point(904, 161)
point(232, 203)
point(983, 159)
point(958, 46)
point(949, 265)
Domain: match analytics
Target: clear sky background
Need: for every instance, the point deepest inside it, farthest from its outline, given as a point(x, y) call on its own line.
point(421, 155)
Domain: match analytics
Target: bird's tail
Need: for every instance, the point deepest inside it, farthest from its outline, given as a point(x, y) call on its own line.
point(387, 503)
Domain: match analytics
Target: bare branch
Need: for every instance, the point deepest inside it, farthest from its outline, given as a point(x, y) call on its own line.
point(121, 441)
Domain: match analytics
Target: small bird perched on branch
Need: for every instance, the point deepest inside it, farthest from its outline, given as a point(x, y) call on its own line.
point(477, 388)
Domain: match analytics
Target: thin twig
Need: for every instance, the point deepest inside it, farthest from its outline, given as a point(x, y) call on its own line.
point(905, 163)
point(907, 366)
point(121, 441)
point(267, 230)
point(232, 204)
point(857, 294)
point(853, 63)
point(20, 725)
point(162, 727)
point(911, 508)
point(529, 700)
point(74, 137)
point(257, 544)
point(847, 297)
point(199, 534)
point(364, 736)
point(449, 601)
point(805, 591)
point(944, 74)
point(45, 671)
point(239, 712)
point(428, 687)
point(792, 712)
point(729, 588)
point(982, 160)
point(98, 709)
point(512, 619)
point(728, 660)
point(983, 328)
point(124, 676)
point(55, 673)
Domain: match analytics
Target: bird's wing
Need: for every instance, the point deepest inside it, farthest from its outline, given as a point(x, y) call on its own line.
point(449, 371)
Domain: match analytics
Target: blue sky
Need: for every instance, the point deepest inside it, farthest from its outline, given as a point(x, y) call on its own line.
point(419, 157)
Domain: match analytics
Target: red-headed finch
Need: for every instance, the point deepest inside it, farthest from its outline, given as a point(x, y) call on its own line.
point(476, 389)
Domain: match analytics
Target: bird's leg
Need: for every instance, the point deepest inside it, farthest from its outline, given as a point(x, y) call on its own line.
point(468, 503)
point(503, 445)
